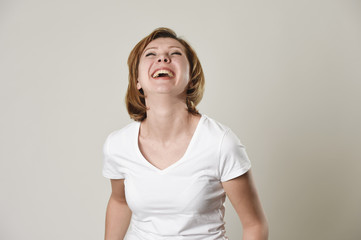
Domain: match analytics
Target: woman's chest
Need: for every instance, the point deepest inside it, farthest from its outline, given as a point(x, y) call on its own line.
point(191, 189)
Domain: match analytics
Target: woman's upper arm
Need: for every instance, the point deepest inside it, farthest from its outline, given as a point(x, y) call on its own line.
point(242, 193)
point(118, 192)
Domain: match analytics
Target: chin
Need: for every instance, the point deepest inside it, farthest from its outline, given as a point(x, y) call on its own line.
point(166, 90)
point(163, 91)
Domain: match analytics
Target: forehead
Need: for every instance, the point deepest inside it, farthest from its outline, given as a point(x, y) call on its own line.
point(164, 43)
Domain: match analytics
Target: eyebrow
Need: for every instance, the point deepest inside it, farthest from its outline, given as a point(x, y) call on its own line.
point(157, 48)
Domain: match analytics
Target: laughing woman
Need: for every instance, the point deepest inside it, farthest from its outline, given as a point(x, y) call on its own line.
point(172, 167)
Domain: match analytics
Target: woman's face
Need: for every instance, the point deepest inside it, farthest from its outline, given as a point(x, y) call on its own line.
point(163, 68)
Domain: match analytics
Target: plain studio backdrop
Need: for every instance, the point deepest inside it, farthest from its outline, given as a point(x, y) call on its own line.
point(284, 75)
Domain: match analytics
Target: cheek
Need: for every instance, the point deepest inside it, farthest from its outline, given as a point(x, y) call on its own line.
point(142, 69)
point(184, 66)
point(187, 66)
point(187, 72)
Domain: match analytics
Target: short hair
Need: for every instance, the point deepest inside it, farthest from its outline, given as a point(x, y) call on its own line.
point(135, 99)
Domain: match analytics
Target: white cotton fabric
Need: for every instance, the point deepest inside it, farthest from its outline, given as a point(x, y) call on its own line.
point(185, 201)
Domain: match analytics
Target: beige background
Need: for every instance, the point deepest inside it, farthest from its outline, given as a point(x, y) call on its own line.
point(284, 75)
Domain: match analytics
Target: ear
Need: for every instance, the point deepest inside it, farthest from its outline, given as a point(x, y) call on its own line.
point(138, 86)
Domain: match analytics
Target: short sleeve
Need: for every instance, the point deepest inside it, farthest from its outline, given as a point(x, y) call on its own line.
point(234, 160)
point(111, 165)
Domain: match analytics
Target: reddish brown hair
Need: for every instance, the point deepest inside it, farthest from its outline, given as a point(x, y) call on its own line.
point(135, 100)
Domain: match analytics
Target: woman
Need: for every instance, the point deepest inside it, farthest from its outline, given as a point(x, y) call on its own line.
point(172, 167)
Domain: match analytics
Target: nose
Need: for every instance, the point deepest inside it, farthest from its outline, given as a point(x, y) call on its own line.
point(164, 59)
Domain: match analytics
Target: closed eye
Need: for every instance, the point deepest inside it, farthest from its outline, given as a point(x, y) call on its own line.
point(176, 53)
point(149, 54)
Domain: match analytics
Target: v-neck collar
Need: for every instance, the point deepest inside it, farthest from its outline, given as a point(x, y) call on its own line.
point(179, 161)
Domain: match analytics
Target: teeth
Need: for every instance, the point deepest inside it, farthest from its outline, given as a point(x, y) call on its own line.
point(162, 71)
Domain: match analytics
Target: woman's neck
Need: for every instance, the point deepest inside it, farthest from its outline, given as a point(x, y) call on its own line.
point(167, 119)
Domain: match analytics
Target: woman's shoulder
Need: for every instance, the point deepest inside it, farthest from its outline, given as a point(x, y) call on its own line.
point(214, 125)
point(219, 135)
point(123, 133)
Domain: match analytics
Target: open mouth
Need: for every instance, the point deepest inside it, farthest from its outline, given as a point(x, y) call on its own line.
point(162, 73)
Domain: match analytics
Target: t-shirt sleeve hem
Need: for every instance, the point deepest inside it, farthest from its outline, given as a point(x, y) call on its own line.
point(110, 176)
point(236, 173)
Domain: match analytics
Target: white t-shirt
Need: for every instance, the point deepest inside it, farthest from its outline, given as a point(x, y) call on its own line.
point(185, 200)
